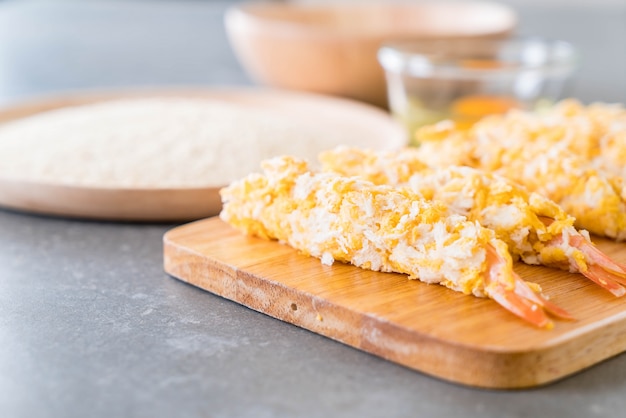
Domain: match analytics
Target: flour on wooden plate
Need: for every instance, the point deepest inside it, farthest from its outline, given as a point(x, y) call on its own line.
point(154, 143)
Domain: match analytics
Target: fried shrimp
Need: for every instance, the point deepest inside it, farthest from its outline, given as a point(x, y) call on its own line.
point(536, 230)
point(381, 228)
point(573, 155)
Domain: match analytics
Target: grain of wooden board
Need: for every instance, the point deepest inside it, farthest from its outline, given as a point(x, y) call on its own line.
point(429, 328)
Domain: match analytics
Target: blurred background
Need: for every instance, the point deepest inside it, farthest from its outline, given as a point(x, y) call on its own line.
point(49, 46)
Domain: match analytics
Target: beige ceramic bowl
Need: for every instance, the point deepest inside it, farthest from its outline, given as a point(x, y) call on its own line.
point(331, 48)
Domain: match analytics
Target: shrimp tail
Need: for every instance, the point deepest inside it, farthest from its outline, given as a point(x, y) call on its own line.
point(604, 279)
point(518, 305)
point(522, 289)
point(519, 298)
point(600, 268)
point(597, 266)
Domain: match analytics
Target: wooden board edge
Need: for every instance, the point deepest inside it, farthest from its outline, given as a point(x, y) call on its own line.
point(495, 369)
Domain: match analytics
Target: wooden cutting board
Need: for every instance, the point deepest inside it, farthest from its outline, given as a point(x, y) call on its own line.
point(429, 328)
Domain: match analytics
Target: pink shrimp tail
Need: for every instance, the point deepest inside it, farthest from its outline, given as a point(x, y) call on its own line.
point(520, 300)
point(600, 268)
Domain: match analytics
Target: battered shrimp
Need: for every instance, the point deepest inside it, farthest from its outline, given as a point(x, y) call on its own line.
point(536, 230)
point(381, 228)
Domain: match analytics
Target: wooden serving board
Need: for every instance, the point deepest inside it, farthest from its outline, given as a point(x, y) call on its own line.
point(429, 328)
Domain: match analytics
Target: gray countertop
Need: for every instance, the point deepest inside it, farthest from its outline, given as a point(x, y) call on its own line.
point(90, 325)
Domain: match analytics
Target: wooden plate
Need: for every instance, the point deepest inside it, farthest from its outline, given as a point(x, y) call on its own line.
point(373, 127)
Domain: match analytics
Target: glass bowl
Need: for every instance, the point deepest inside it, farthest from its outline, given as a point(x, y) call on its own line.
point(465, 80)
